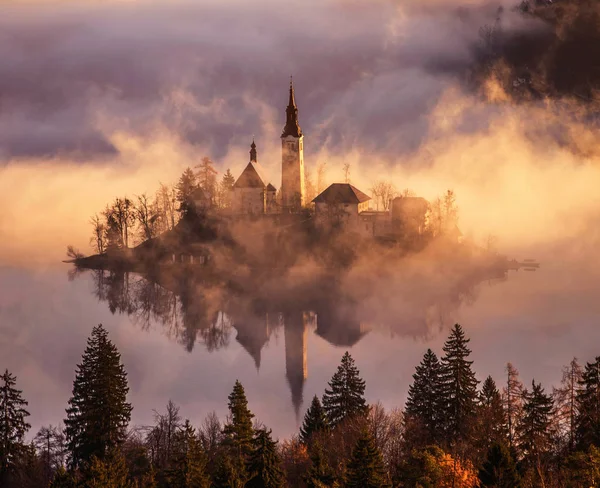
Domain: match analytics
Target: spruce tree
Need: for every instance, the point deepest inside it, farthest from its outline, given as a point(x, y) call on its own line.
point(188, 468)
point(239, 431)
point(491, 418)
point(98, 413)
point(320, 474)
point(345, 396)
point(227, 474)
point(587, 423)
point(109, 472)
point(63, 479)
point(423, 405)
point(499, 469)
point(264, 464)
point(13, 426)
point(365, 468)
point(533, 434)
point(315, 420)
point(458, 388)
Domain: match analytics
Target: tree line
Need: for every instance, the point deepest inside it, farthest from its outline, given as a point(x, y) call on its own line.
point(128, 221)
point(454, 432)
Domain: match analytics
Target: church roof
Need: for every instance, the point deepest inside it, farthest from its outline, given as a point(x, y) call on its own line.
point(342, 193)
point(292, 127)
point(251, 177)
point(270, 187)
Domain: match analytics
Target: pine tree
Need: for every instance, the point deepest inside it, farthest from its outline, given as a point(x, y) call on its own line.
point(491, 421)
point(185, 187)
point(110, 472)
point(189, 468)
point(513, 402)
point(533, 432)
point(13, 426)
point(587, 423)
point(315, 420)
point(345, 396)
point(499, 469)
point(423, 406)
point(458, 387)
point(225, 189)
point(264, 464)
point(365, 468)
point(63, 479)
point(320, 474)
point(227, 473)
point(98, 413)
point(239, 432)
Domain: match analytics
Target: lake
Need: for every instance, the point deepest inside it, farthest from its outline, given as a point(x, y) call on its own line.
point(191, 349)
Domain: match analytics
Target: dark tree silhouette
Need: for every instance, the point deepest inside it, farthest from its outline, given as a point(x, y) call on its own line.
point(315, 420)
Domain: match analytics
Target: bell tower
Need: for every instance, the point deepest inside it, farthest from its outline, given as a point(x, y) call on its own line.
point(292, 159)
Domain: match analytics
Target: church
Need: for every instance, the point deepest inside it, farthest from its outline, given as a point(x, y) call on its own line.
point(254, 194)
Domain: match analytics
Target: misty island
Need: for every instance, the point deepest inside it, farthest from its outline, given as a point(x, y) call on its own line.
point(298, 246)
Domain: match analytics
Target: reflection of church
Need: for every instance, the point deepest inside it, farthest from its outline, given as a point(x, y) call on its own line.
point(253, 334)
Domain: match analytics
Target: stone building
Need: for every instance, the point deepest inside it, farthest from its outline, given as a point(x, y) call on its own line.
point(252, 194)
point(341, 204)
point(292, 159)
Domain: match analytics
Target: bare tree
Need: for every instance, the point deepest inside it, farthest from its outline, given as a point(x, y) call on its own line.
point(50, 445)
point(512, 396)
point(346, 172)
point(147, 216)
point(98, 239)
point(166, 199)
point(207, 178)
point(565, 399)
point(383, 192)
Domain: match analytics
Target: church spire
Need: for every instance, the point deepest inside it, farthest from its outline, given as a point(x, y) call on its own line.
point(253, 151)
point(292, 128)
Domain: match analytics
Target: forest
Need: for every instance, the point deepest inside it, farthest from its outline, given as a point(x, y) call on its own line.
point(453, 431)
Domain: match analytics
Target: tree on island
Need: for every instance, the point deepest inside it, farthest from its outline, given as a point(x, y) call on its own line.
point(207, 178)
point(185, 187)
point(225, 189)
point(13, 425)
point(315, 420)
point(98, 412)
point(587, 423)
point(345, 396)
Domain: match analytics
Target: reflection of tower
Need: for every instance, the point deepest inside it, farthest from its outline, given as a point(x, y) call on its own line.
point(253, 334)
point(296, 370)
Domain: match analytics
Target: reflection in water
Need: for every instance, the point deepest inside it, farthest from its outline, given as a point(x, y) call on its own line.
point(194, 311)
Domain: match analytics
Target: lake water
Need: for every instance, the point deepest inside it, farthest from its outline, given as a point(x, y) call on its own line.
point(174, 348)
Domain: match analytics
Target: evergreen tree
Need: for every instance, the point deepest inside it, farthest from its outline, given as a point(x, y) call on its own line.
point(458, 387)
point(315, 420)
point(13, 426)
point(320, 474)
point(189, 468)
point(225, 189)
point(98, 413)
point(227, 473)
point(185, 187)
point(513, 402)
point(533, 432)
point(491, 422)
point(423, 405)
point(264, 464)
point(63, 479)
point(345, 396)
point(587, 424)
point(499, 469)
point(239, 432)
point(365, 468)
point(109, 472)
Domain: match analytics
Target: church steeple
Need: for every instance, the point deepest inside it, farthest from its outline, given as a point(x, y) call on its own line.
point(292, 128)
point(253, 152)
